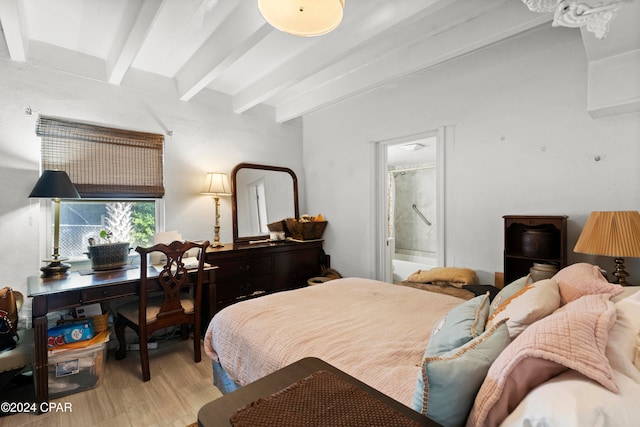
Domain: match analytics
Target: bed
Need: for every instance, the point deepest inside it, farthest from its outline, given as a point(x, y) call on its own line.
point(456, 360)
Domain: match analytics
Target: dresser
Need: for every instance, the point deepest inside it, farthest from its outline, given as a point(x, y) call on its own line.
point(248, 270)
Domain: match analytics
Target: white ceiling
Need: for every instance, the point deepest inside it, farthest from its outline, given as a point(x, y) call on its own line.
point(182, 47)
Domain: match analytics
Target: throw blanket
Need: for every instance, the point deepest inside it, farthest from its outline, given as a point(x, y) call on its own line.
point(453, 276)
point(374, 331)
point(440, 288)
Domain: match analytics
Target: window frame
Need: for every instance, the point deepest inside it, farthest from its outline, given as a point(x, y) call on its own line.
point(46, 227)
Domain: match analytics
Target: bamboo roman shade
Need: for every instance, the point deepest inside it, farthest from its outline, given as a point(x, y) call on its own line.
point(103, 162)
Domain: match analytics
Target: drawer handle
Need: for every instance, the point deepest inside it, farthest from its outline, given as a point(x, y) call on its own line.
point(104, 293)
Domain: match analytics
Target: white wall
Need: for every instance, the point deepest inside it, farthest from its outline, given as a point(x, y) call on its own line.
point(206, 136)
point(524, 144)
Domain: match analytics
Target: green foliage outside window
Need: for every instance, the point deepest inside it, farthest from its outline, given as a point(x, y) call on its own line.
point(83, 220)
point(143, 219)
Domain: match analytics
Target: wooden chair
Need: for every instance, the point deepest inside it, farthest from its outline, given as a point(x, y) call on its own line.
point(174, 307)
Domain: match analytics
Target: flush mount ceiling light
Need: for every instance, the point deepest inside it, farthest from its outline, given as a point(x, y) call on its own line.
point(579, 13)
point(414, 146)
point(302, 17)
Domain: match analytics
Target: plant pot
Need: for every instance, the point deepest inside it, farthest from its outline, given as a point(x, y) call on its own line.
point(108, 256)
point(541, 271)
point(537, 243)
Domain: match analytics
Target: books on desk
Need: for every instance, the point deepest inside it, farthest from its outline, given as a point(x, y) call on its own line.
point(190, 263)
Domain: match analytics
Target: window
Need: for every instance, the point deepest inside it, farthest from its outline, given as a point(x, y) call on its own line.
point(119, 175)
point(132, 221)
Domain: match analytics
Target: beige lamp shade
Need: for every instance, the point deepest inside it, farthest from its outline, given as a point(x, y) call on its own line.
point(302, 17)
point(216, 183)
point(615, 234)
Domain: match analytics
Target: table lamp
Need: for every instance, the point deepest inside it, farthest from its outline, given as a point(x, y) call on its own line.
point(614, 234)
point(55, 185)
point(216, 184)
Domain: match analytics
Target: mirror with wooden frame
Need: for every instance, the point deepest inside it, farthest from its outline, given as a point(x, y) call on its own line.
point(261, 194)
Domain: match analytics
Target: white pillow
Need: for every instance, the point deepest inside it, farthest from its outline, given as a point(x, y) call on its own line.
point(531, 303)
point(623, 347)
point(571, 399)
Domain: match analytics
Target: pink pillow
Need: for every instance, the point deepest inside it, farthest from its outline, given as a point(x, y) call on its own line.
point(573, 337)
point(581, 279)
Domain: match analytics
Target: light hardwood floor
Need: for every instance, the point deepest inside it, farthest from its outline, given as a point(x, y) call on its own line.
point(178, 388)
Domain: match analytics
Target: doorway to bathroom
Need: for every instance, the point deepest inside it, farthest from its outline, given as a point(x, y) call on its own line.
point(411, 204)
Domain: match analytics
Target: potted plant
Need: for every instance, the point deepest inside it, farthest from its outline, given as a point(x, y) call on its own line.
point(107, 255)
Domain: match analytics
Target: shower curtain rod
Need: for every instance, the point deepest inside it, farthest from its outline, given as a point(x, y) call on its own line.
point(412, 169)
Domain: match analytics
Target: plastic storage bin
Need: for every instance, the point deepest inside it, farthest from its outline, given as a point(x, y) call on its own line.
point(73, 371)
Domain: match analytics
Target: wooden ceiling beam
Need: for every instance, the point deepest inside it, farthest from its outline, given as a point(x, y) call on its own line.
point(239, 33)
point(12, 27)
point(358, 31)
point(131, 37)
point(354, 76)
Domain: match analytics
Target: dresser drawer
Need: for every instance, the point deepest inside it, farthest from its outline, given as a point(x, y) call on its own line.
point(241, 287)
point(243, 267)
point(248, 270)
point(294, 270)
point(105, 293)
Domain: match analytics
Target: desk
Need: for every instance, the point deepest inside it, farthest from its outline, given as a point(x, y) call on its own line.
point(54, 294)
point(217, 412)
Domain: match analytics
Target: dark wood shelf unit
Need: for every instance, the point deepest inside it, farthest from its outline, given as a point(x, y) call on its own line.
point(517, 260)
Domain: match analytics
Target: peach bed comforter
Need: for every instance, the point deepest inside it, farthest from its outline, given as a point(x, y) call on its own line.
point(374, 331)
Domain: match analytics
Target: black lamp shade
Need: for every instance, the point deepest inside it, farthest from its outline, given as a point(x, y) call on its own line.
point(54, 185)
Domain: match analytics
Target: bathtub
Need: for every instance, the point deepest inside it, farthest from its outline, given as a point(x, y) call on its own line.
point(404, 265)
